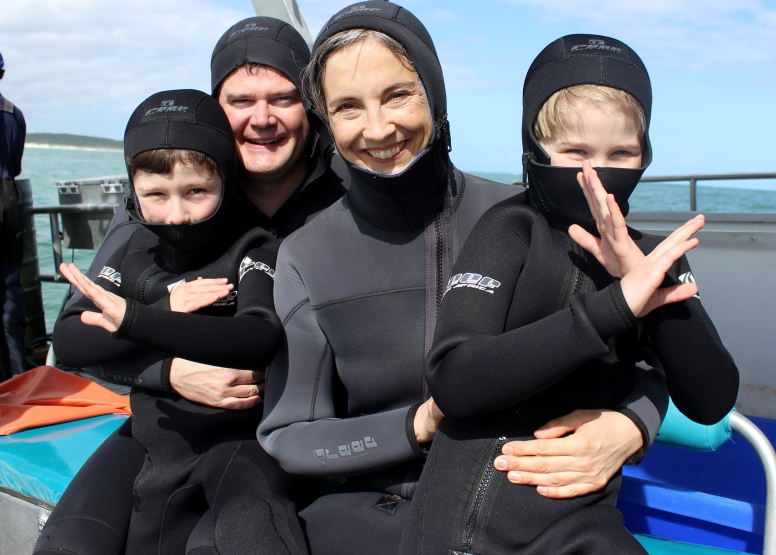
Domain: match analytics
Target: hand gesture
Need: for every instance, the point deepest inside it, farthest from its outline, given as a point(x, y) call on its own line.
point(112, 306)
point(427, 420)
point(641, 286)
point(193, 295)
point(615, 250)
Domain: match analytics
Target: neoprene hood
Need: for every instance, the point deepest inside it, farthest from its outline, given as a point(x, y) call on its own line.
point(260, 40)
point(188, 120)
point(577, 60)
point(401, 201)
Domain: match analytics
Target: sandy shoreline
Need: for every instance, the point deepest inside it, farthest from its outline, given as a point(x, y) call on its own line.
point(68, 147)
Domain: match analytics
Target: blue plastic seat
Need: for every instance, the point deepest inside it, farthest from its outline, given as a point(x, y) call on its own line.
point(684, 493)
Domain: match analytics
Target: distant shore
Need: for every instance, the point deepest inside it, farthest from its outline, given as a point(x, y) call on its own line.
point(70, 147)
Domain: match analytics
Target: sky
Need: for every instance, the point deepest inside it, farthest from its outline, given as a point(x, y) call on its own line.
point(82, 66)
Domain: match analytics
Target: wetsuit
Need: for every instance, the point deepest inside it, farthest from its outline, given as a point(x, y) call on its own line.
point(533, 327)
point(13, 130)
point(357, 290)
point(197, 458)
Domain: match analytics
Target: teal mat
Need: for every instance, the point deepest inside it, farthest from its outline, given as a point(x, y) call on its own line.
point(656, 546)
point(40, 463)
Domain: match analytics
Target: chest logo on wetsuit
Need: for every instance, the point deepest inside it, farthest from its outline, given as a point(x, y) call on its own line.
point(354, 449)
point(687, 277)
point(593, 44)
point(173, 286)
point(228, 301)
point(473, 281)
point(247, 265)
point(111, 275)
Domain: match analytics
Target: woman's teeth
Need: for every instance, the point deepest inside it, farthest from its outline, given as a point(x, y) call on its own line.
point(260, 142)
point(385, 154)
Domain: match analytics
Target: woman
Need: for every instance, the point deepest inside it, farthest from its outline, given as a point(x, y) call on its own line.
point(358, 289)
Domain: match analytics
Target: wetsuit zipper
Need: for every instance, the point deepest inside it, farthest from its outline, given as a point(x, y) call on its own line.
point(479, 495)
point(439, 262)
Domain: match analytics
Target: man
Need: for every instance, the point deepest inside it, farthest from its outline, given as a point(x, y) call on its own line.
point(12, 132)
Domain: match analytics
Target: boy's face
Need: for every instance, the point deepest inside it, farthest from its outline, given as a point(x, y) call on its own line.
point(188, 194)
point(598, 133)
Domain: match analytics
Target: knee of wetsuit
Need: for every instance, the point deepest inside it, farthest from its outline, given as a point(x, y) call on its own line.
point(248, 526)
point(79, 535)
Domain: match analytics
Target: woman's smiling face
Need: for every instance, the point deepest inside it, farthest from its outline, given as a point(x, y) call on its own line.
point(376, 107)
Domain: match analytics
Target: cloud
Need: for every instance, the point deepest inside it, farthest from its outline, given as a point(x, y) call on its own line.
point(99, 59)
point(679, 33)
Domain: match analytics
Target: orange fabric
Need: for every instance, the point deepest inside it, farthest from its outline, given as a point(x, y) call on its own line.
point(45, 396)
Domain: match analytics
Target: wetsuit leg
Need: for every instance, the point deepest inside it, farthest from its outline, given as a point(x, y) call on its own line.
point(250, 512)
point(93, 515)
point(353, 522)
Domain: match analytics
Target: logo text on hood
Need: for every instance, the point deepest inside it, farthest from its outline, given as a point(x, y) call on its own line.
point(595, 44)
point(167, 106)
point(249, 27)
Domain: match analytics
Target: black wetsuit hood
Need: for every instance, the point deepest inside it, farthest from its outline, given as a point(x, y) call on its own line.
point(182, 119)
point(404, 201)
point(568, 61)
point(259, 40)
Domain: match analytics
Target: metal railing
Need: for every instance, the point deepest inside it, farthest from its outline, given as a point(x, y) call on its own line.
point(694, 179)
point(56, 230)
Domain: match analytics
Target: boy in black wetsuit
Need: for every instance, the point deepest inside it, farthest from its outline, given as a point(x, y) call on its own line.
point(194, 281)
point(532, 326)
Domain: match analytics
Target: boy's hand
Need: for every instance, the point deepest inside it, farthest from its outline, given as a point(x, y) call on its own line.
point(641, 286)
point(427, 420)
point(113, 307)
point(615, 250)
point(193, 295)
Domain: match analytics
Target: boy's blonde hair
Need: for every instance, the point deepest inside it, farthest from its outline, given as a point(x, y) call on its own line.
point(553, 117)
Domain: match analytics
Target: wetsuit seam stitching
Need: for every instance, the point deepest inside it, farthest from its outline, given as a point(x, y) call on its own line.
point(91, 518)
point(318, 373)
point(365, 295)
point(167, 506)
point(294, 310)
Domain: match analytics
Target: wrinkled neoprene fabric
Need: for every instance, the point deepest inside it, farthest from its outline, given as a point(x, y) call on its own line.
point(191, 452)
point(580, 60)
point(357, 290)
point(259, 40)
point(533, 327)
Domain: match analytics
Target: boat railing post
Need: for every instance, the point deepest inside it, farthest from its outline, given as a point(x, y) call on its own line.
point(693, 192)
point(56, 241)
point(764, 450)
point(35, 320)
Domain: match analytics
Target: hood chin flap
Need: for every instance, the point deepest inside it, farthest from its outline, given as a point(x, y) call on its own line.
point(555, 192)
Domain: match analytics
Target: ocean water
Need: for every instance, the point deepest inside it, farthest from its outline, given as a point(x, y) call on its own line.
point(45, 166)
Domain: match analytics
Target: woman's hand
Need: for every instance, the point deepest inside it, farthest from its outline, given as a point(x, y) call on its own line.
point(427, 420)
point(112, 306)
point(615, 250)
point(599, 443)
point(193, 295)
point(641, 286)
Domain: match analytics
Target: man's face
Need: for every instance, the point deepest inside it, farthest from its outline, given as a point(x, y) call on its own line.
point(268, 119)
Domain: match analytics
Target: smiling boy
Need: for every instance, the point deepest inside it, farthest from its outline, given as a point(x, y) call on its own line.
point(192, 281)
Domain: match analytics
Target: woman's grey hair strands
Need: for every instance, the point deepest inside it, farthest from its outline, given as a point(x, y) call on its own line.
point(312, 76)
